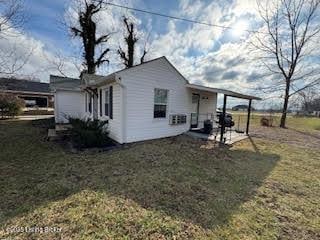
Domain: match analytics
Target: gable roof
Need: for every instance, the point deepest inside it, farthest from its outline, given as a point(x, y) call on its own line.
point(58, 82)
point(23, 85)
point(153, 60)
point(96, 80)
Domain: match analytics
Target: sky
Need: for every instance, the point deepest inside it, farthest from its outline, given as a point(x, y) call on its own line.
point(210, 56)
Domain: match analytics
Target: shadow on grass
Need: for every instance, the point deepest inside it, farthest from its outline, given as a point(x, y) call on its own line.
point(254, 145)
point(308, 134)
point(177, 176)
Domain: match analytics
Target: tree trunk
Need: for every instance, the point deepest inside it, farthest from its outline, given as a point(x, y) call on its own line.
point(130, 54)
point(285, 105)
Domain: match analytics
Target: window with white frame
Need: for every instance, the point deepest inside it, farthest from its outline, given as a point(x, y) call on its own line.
point(108, 102)
point(160, 103)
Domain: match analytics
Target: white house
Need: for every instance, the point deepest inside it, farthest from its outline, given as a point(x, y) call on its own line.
point(148, 101)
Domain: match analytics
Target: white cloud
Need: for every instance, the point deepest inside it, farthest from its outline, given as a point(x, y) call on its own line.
point(205, 55)
point(28, 57)
point(43, 58)
point(208, 65)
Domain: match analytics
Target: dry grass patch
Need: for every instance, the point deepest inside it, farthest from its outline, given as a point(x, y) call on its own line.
point(175, 188)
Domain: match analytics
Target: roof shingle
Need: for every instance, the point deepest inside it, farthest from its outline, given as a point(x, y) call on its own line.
point(58, 82)
point(13, 84)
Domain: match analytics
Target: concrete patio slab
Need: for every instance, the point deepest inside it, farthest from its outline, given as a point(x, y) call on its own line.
point(230, 138)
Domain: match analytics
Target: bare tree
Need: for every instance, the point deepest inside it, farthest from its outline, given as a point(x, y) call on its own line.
point(291, 26)
point(308, 98)
point(12, 61)
point(11, 15)
point(131, 39)
point(86, 29)
point(62, 64)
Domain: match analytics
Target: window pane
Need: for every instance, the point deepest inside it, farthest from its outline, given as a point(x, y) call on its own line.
point(157, 98)
point(160, 96)
point(159, 111)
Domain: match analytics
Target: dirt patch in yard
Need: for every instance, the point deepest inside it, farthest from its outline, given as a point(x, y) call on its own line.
point(288, 136)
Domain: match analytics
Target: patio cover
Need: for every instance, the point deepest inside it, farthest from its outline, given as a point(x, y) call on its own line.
point(223, 91)
point(227, 93)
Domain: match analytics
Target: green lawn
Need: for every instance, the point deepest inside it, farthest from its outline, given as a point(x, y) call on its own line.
point(302, 123)
point(309, 124)
point(176, 188)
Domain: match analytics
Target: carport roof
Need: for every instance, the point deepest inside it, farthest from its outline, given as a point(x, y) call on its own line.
point(22, 85)
point(223, 91)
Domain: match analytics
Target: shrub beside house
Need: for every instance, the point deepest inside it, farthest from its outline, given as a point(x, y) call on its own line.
point(10, 105)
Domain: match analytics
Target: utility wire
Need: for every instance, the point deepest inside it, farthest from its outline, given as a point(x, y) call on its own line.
point(182, 19)
point(179, 18)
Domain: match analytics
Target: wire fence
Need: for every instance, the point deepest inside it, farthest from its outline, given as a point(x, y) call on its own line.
point(273, 119)
point(240, 120)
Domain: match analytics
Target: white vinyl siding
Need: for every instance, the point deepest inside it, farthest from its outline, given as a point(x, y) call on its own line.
point(133, 103)
point(140, 83)
point(207, 105)
point(69, 104)
point(115, 124)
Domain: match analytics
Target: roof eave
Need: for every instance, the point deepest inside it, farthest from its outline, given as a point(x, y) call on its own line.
point(222, 91)
point(106, 80)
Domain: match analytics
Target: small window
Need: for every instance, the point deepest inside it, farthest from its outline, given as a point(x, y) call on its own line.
point(160, 103)
point(106, 103)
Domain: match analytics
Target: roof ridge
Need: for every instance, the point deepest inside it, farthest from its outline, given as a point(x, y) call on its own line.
point(20, 79)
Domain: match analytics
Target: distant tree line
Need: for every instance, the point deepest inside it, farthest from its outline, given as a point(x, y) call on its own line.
point(310, 106)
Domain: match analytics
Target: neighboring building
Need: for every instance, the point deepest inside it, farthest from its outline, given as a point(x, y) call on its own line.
point(35, 94)
point(241, 107)
point(148, 101)
point(316, 113)
point(68, 98)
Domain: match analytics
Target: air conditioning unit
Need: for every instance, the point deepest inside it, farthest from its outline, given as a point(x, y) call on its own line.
point(176, 119)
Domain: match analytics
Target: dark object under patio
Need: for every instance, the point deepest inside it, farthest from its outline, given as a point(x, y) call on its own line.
point(207, 126)
point(227, 121)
